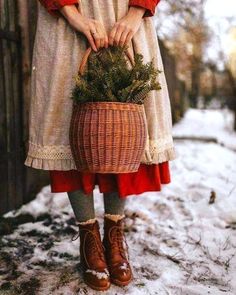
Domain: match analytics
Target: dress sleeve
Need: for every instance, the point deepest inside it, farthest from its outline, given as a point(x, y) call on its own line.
point(150, 6)
point(52, 6)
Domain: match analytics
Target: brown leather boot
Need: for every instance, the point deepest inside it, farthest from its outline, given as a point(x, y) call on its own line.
point(95, 271)
point(115, 253)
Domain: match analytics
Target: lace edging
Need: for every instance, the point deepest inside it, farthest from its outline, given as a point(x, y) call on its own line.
point(50, 164)
point(52, 152)
point(60, 157)
point(156, 157)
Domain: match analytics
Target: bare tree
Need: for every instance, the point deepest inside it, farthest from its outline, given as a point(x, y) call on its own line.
point(223, 57)
point(187, 38)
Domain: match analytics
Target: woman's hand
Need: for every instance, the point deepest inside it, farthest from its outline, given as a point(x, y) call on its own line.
point(124, 29)
point(91, 28)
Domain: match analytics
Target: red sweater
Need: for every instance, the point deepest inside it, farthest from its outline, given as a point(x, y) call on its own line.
point(52, 6)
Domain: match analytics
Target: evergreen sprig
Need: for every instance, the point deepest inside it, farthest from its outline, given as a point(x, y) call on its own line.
point(110, 77)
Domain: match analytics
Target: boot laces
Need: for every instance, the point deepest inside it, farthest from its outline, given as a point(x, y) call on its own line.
point(119, 237)
point(93, 244)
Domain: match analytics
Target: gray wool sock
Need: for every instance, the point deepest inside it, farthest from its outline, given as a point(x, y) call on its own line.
point(82, 205)
point(113, 204)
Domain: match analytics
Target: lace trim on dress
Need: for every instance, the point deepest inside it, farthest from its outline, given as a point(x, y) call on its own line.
point(59, 157)
point(53, 152)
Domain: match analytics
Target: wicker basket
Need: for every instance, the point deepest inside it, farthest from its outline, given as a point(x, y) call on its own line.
point(107, 137)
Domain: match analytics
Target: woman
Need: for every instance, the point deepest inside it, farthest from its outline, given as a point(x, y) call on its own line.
point(64, 30)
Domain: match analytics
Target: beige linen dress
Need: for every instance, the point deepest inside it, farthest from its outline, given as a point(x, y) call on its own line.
point(58, 50)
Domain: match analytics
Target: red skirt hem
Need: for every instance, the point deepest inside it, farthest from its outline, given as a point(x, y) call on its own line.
point(147, 178)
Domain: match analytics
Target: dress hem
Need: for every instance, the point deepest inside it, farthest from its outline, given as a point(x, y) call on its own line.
point(69, 164)
point(121, 196)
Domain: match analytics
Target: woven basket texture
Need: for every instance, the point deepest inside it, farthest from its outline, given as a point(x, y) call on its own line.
point(107, 137)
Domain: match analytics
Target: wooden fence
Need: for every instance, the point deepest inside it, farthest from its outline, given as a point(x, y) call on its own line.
point(18, 183)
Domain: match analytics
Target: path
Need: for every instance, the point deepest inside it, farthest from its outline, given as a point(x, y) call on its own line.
point(178, 242)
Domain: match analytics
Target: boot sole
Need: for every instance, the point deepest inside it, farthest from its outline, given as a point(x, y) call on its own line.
point(97, 288)
point(120, 283)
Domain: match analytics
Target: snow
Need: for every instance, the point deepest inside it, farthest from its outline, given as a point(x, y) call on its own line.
point(208, 124)
point(124, 266)
point(99, 274)
point(181, 240)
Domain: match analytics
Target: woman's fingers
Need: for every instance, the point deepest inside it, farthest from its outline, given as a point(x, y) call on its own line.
point(125, 28)
point(125, 37)
point(91, 40)
point(106, 42)
point(97, 39)
point(94, 32)
point(120, 35)
point(112, 36)
point(105, 37)
point(118, 32)
point(129, 36)
point(102, 35)
point(99, 34)
point(93, 29)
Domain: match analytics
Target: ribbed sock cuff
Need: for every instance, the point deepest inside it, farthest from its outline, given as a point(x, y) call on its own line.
point(114, 217)
point(92, 220)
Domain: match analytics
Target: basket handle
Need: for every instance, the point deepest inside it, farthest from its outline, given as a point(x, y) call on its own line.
point(86, 56)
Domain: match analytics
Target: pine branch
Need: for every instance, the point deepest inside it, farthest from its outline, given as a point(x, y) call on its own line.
point(108, 77)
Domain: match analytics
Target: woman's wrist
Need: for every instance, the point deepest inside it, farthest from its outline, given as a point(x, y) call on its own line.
point(136, 11)
point(70, 12)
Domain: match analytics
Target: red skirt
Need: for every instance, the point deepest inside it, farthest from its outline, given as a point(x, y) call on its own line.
point(147, 178)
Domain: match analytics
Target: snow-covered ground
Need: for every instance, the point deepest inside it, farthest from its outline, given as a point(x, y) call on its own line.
point(208, 125)
point(181, 240)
